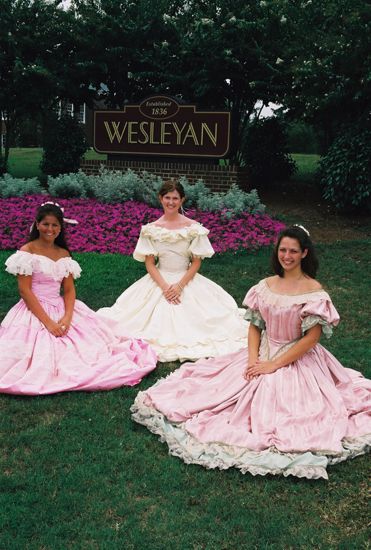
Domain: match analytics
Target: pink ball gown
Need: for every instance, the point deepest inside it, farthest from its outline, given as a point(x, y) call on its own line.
point(295, 421)
point(88, 357)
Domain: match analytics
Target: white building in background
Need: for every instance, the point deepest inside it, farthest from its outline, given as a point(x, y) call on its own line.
point(265, 111)
point(68, 108)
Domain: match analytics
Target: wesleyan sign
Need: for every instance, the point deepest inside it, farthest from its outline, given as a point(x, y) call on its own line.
point(162, 127)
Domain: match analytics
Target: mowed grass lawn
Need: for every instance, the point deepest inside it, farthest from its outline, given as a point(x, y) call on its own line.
point(76, 472)
point(24, 163)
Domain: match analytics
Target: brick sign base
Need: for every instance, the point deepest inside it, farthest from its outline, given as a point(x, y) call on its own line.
point(217, 178)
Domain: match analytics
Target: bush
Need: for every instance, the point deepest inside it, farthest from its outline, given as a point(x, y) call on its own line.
point(301, 138)
point(64, 145)
point(118, 187)
point(148, 187)
point(265, 152)
point(17, 187)
point(345, 171)
point(195, 193)
point(71, 185)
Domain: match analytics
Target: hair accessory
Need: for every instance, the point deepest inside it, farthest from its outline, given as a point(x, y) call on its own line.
point(303, 228)
point(66, 220)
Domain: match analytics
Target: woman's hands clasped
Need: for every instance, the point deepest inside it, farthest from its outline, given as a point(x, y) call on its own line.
point(259, 367)
point(172, 293)
point(59, 328)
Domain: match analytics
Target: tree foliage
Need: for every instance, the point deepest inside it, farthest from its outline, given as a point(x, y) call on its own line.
point(64, 145)
point(218, 54)
point(328, 59)
point(311, 57)
point(265, 152)
point(345, 170)
point(33, 42)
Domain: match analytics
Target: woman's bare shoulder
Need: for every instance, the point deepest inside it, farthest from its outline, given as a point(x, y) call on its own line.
point(26, 248)
point(63, 253)
point(188, 221)
point(312, 284)
point(271, 280)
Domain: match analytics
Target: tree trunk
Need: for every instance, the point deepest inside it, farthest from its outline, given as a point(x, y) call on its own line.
point(2, 159)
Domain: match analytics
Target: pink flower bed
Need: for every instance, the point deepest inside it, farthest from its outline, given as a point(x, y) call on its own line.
point(114, 228)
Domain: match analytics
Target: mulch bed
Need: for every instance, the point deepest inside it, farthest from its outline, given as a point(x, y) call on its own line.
point(303, 204)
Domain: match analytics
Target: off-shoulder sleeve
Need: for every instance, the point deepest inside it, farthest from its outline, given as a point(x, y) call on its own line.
point(19, 263)
point(322, 312)
point(72, 268)
point(144, 247)
point(26, 263)
point(251, 301)
point(200, 246)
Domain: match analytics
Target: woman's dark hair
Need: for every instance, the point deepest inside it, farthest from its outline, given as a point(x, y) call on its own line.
point(171, 185)
point(49, 210)
point(309, 264)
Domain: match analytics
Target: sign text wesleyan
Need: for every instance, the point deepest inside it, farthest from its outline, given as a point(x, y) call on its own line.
point(160, 126)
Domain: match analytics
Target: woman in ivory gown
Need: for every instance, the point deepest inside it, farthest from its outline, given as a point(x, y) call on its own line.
point(51, 343)
point(287, 406)
point(182, 314)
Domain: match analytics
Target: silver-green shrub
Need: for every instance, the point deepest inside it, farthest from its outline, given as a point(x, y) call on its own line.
point(148, 189)
point(114, 186)
point(195, 192)
point(17, 187)
point(238, 201)
point(73, 185)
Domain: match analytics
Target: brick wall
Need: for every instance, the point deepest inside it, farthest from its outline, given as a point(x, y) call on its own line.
point(217, 178)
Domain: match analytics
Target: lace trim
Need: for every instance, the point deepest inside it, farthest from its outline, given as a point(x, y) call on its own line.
point(213, 348)
point(173, 235)
point(25, 263)
point(313, 320)
point(255, 318)
point(216, 455)
point(287, 300)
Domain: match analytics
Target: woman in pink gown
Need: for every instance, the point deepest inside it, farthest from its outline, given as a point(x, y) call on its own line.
point(287, 406)
point(51, 343)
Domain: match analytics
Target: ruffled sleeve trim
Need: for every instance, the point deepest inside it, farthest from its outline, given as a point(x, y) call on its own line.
point(71, 267)
point(155, 232)
point(251, 300)
point(144, 247)
point(313, 320)
point(255, 318)
point(197, 234)
point(19, 263)
point(200, 247)
point(25, 263)
point(320, 312)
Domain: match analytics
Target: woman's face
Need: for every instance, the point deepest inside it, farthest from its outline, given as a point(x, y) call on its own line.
point(171, 202)
point(49, 228)
point(290, 254)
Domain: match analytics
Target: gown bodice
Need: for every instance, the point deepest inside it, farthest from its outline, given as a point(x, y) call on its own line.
point(173, 248)
point(285, 318)
point(47, 274)
point(173, 257)
point(45, 287)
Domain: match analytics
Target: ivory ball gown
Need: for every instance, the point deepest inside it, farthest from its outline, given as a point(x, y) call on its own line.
point(206, 323)
point(297, 420)
point(88, 357)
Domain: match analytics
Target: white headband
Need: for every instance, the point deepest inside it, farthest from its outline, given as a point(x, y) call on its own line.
point(303, 228)
point(66, 220)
